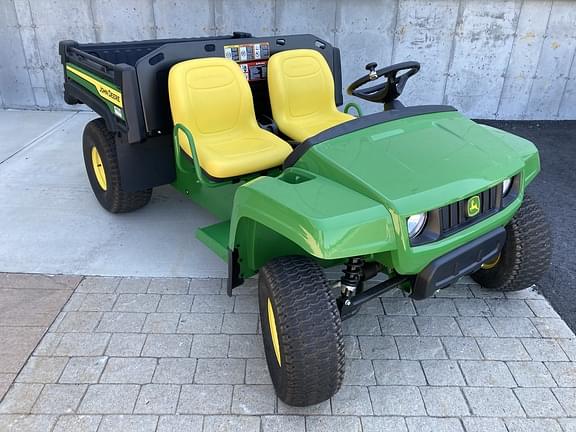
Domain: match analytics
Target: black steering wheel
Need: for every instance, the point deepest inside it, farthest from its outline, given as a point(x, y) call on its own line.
point(384, 92)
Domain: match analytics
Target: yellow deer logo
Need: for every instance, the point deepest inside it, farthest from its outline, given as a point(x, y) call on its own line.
point(473, 207)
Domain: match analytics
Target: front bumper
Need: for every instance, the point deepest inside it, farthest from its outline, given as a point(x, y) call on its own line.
point(408, 260)
point(462, 261)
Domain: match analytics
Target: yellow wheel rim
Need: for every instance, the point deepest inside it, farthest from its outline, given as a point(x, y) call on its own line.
point(273, 332)
point(99, 169)
point(491, 264)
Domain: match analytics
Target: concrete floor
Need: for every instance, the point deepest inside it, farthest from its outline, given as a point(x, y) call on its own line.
point(20, 129)
point(51, 222)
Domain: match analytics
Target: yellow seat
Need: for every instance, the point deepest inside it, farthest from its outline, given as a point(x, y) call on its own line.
point(301, 90)
point(213, 100)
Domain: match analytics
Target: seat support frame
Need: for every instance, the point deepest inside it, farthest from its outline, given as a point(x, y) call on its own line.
point(178, 154)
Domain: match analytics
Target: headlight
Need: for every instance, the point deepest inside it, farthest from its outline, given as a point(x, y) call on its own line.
point(416, 224)
point(506, 184)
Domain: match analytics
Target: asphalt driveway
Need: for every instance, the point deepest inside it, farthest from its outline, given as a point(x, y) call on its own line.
point(555, 190)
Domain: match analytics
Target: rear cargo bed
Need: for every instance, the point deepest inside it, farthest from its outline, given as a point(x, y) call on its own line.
point(126, 83)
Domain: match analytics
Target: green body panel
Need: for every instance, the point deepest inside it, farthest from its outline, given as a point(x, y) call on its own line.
point(216, 238)
point(404, 167)
point(302, 208)
point(418, 163)
point(217, 200)
point(350, 195)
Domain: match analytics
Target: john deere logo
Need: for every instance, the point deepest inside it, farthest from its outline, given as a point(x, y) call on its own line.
point(473, 207)
point(109, 93)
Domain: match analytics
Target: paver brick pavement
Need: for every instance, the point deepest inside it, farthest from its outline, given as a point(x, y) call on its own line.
point(179, 355)
point(29, 303)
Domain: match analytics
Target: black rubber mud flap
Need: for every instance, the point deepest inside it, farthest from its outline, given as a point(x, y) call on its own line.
point(234, 277)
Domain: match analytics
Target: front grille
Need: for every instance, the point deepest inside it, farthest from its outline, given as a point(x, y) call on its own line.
point(453, 217)
point(445, 221)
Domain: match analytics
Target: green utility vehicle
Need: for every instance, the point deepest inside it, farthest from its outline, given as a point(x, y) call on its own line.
point(248, 127)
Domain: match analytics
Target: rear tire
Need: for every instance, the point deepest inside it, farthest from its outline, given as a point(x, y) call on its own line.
point(100, 158)
point(526, 253)
point(69, 99)
point(306, 361)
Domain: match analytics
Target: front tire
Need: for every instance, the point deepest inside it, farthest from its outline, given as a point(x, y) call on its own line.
point(526, 253)
point(302, 331)
point(101, 160)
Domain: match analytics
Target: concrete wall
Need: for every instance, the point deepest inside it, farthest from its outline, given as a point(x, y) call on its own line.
point(505, 59)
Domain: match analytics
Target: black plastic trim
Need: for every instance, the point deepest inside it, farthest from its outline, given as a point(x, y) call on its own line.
point(462, 261)
point(146, 164)
point(235, 279)
point(362, 123)
point(76, 91)
point(450, 219)
point(130, 51)
point(93, 63)
point(337, 74)
point(131, 107)
point(153, 78)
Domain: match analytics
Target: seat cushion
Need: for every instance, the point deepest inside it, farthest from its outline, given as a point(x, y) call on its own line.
point(237, 155)
point(213, 100)
point(301, 90)
point(308, 127)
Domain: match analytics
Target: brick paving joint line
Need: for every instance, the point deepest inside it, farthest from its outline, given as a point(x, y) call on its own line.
point(166, 354)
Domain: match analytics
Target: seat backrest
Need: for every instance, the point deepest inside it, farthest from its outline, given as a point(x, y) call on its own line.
point(300, 84)
point(210, 96)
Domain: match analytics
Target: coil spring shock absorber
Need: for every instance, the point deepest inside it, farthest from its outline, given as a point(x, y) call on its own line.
point(351, 281)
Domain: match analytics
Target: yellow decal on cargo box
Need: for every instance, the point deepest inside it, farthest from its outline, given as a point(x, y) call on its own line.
point(104, 90)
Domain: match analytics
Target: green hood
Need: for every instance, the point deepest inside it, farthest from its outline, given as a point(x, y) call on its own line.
point(420, 163)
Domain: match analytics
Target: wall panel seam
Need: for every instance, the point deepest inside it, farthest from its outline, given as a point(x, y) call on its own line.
point(394, 31)
point(336, 28)
point(97, 35)
point(154, 25)
point(535, 76)
point(505, 77)
point(27, 66)
point(563, 94)
point(452, 50)
point(275, 17)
